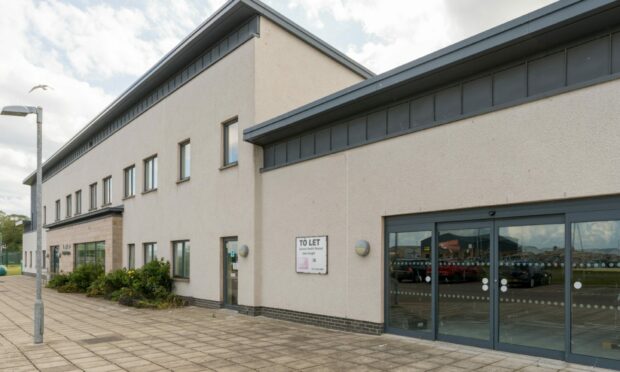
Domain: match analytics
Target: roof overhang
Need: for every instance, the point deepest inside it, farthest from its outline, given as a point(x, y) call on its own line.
point(86, 217)
point(218, 25)
point(535, 32)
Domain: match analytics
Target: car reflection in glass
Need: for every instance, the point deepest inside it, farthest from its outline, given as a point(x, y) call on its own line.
point(525, 274)
point(410, 270)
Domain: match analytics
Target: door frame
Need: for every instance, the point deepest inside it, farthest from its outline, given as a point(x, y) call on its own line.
point(573, 210)
point(525, 221)
point(225, 288)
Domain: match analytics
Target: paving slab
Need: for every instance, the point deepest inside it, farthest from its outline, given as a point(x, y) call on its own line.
point(83, 333)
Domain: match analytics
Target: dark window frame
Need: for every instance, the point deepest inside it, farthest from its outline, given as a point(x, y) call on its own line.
point(226, 158)
point(107, 191)
point(129, 181)
point(185, 256)
point(68, 206)
point(150, 164)
point(92, 200)
point(131, 256)
point(78, 202)
point(97, 245)
point(185, 152)
point(57, 210)
point(153, 248)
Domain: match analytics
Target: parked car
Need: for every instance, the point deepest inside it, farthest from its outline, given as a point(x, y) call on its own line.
point(457, 271)
point(525, 274)
point(412, 270)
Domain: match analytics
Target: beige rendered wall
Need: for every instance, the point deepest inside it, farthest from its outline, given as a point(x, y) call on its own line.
point(567, 146)
point(216, 202)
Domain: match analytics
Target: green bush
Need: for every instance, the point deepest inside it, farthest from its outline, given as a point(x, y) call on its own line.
point(58, 281)
point(147, 287)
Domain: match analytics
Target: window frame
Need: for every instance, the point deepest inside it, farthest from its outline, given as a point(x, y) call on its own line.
point(57, 210)
point(154, 173)
point(185, 256)
point(68, 206)
point(92, 202)
point(145, 246)
point(96, 246)
point(226, 159)
point(78, 202)
point(44, 215)
point(131, 256)
point(129, 181)
point(185, 153)
point(107, 191)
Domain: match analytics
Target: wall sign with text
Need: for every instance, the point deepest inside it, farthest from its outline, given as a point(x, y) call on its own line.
point(311, 255)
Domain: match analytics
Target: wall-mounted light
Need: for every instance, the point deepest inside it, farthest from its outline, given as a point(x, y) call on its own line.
point(362, 248)
point(244, 251)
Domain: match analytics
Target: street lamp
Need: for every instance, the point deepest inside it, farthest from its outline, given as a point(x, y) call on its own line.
point(38, 302)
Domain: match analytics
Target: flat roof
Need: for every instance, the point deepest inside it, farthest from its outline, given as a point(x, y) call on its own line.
point(223, 21)
point(526, 35)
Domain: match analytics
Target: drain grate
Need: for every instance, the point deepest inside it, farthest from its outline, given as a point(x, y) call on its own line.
point(99, 340)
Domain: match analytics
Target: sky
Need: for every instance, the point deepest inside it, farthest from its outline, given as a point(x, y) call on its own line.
point(91, 51)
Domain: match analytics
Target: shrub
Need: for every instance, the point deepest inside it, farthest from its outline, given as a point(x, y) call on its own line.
point(153, 280)
point(147, 287)
point(106, 285)
point(58, 281)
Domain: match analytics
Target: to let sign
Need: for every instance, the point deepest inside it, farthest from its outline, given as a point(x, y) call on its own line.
point(311, 255)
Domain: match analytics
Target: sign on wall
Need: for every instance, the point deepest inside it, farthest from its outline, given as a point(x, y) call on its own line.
point(311, 255)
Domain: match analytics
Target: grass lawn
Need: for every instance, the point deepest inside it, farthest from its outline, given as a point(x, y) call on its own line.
point(14, 269)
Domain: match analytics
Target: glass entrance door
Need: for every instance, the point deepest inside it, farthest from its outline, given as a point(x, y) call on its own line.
point(595, 288)
point(55, 259)
point(530, 288)
point(231, 279)
point(463, 277)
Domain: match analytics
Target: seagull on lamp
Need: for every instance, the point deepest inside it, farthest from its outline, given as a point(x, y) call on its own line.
point(41, 86)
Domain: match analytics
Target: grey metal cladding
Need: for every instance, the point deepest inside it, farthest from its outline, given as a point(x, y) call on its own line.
point(477, 95)
point(357, 131)
point(615, 53)
point(546, 73)
point(322, 141)
point(423, 111)
point(585, 61)
point(448, 103)
point(339, 136)
point(269, 154)
point(307, 145)
point(588, 61)
point(293, 149)
point(398, 118)
point(280, 154)
point(231, 41)
point(377, 125)
point(510, 85)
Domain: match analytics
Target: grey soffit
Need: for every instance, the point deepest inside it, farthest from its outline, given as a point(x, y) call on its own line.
point(584, 62)
point(533, 33)
point(177, 64)
point(86, 217)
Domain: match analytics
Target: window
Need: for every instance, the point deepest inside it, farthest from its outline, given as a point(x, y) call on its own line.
point(150, 252)
point(184, 160)
point(131, 256)
point(107, 191)
point(57, 214)
point(150, 174)
point(93, 196)
point(130, 181)
point(180, 259)
point(69, 207)
point(25, 259)
point(90, 253)
point(43, 264)
point(78, 202)
point(30, 258)
point(231, 142)
point(44, 215)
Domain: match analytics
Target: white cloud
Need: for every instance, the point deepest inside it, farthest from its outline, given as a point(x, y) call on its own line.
point(400, 31)
point(76, 51)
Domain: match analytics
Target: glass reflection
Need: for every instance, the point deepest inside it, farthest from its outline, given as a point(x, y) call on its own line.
point(531, 296)
point(410, 286)
point(464, 282)
point(595, 289)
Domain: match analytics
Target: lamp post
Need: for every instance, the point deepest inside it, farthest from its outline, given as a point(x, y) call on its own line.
point(38, 302)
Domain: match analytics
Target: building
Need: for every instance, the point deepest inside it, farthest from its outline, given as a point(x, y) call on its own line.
point(438, 200)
